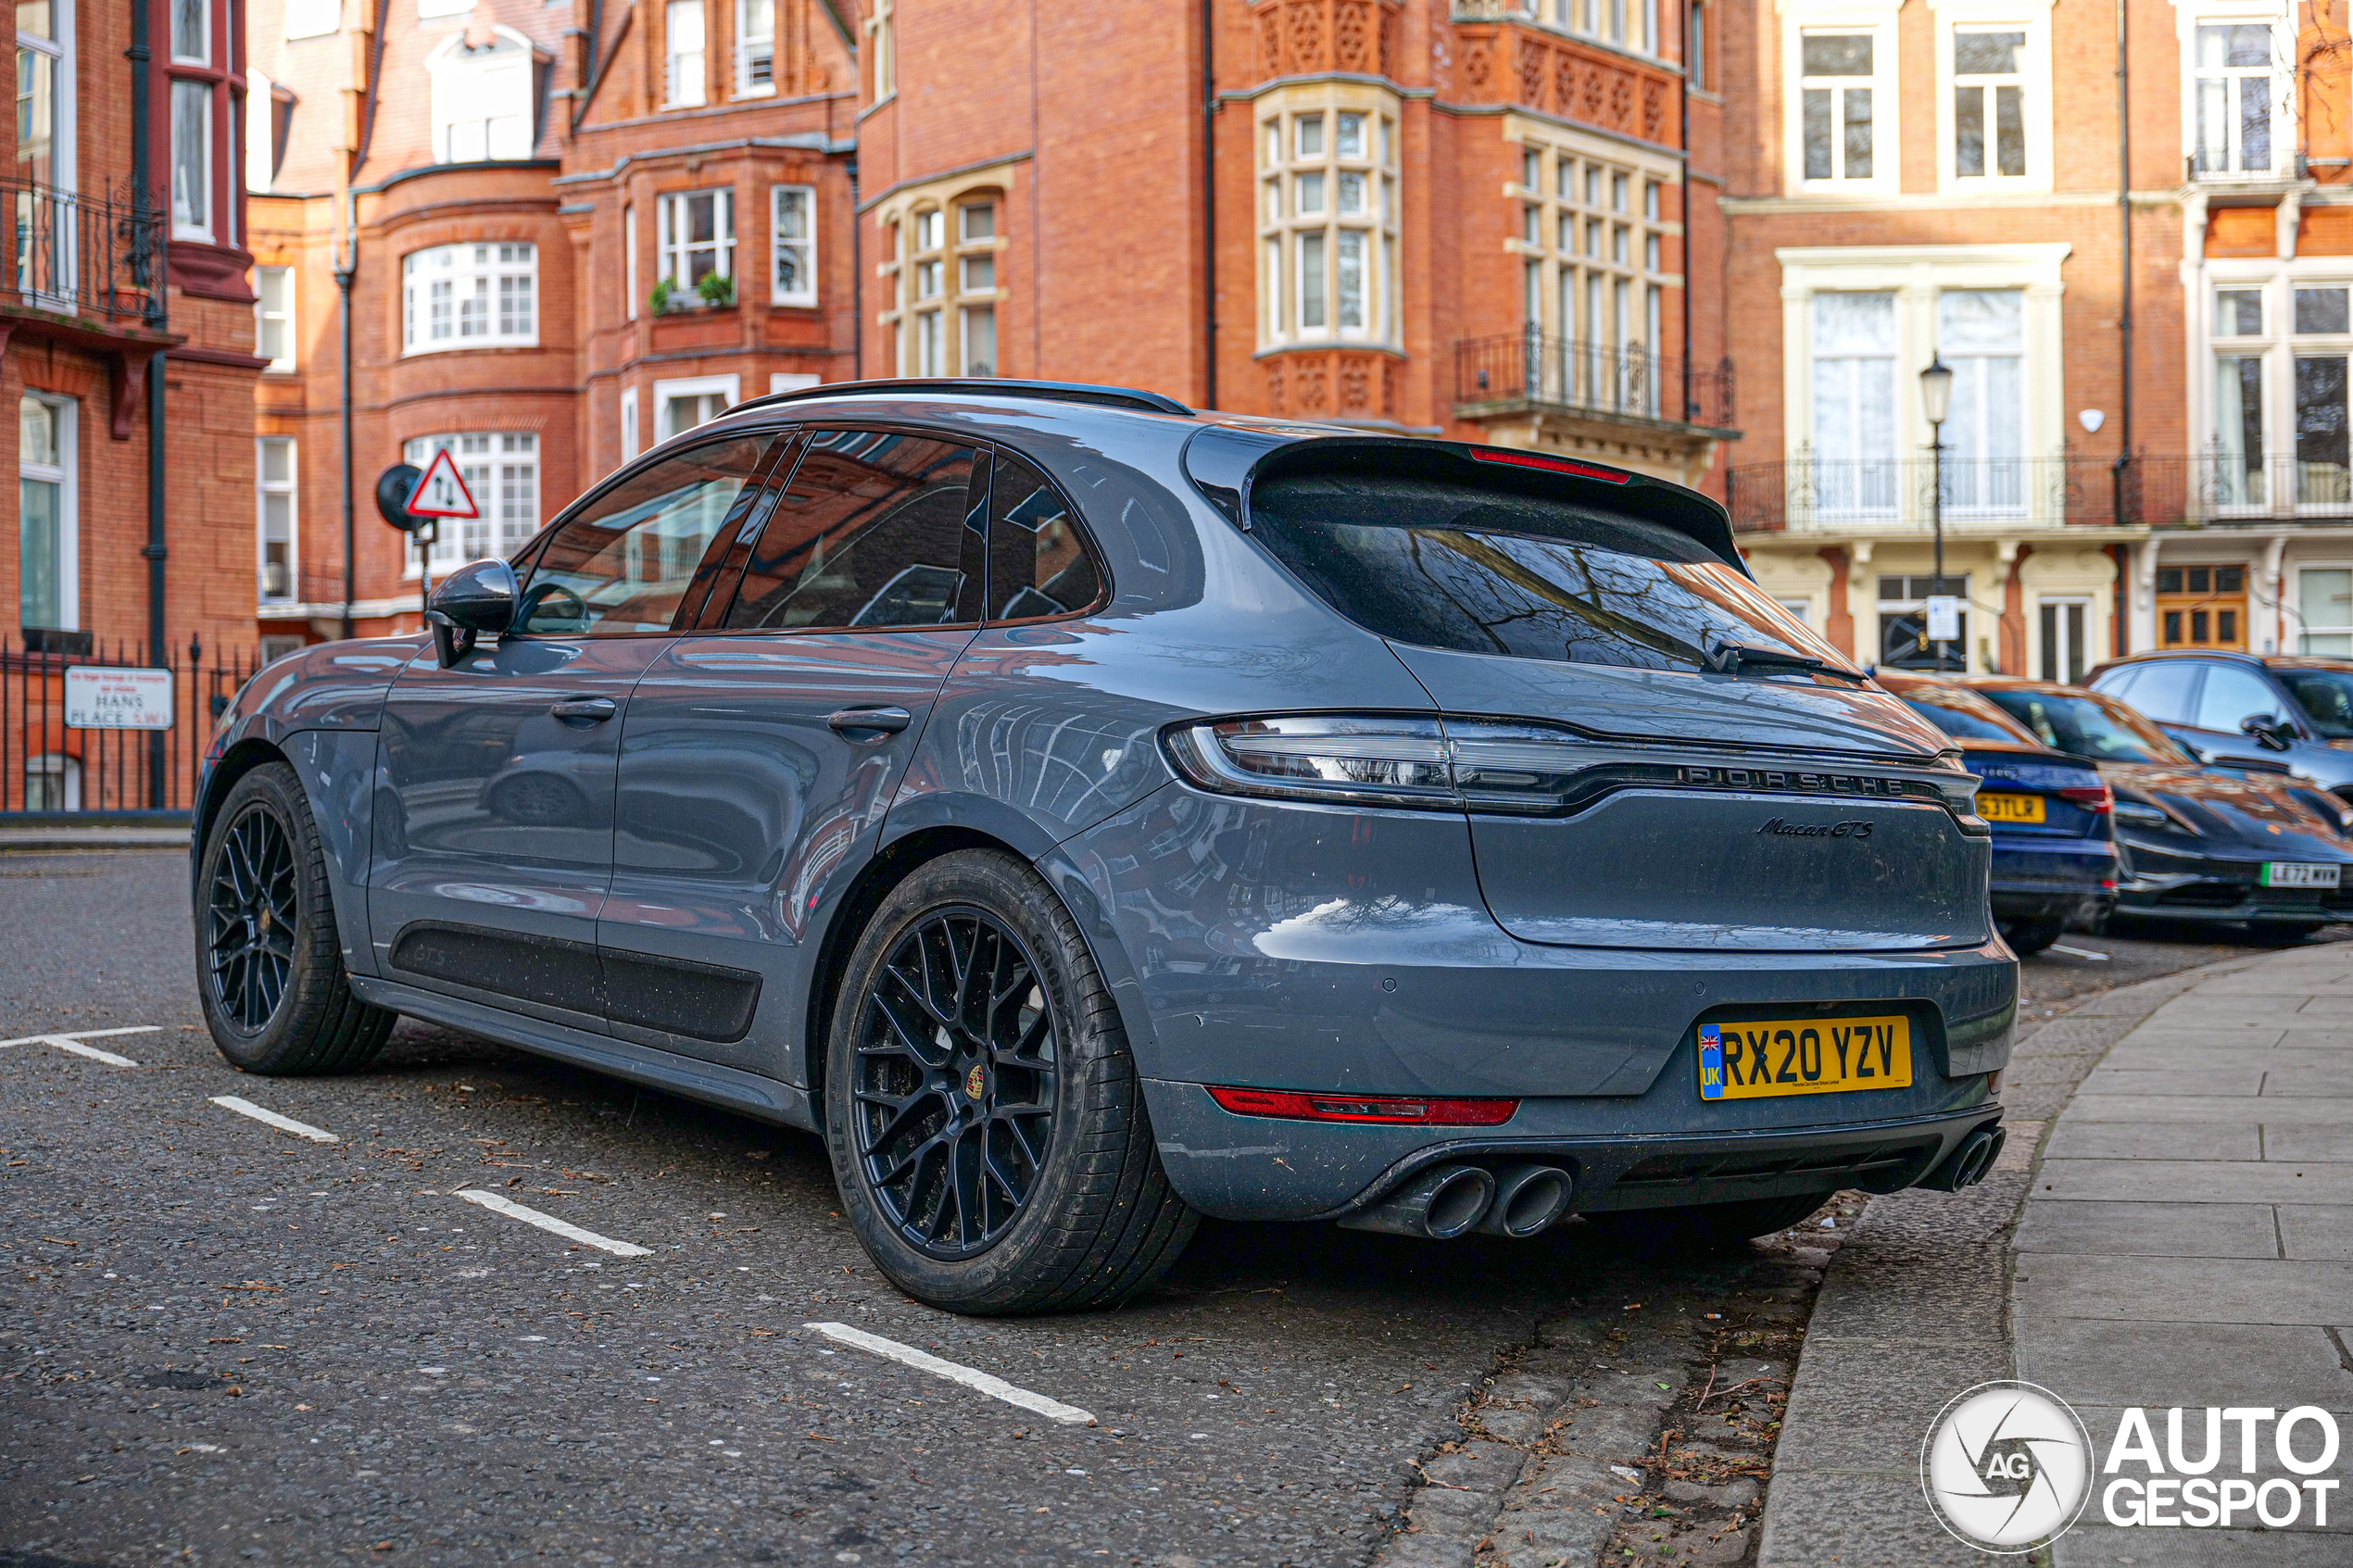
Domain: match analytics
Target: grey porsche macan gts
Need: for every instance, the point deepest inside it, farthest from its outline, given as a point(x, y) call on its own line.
point(1086, 814)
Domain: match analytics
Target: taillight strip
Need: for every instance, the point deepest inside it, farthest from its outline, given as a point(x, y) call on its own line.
point(1390, 1110)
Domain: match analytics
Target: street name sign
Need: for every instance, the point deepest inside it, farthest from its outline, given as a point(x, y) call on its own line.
point(103, 698)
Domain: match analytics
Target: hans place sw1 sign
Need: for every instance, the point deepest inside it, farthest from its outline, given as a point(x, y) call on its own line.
point(101, 699)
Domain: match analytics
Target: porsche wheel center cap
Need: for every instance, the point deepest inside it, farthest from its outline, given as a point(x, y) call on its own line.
point(976, 1080)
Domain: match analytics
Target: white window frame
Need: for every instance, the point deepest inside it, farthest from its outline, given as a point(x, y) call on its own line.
point(263, 315)
point(316, 19)
point(806, 244)
point(630, 445)
point(669, 212)
point(66, 475)
point(2288, 488)
point(484, 470)
point(172, 25)
point(747, 51)
point(264, 488)
point(791, 381)
point(192, 227)
point(484, 273)
point(2285, 132)
point(2039, 651)
point(1877, 19)
point(1285, 229)
point(463, 81)
point(676, 81)
point(666, 392)
point(883, 46)
point(2034, 18)
point(62, 263)
point(2305, 629)
point(629, 262)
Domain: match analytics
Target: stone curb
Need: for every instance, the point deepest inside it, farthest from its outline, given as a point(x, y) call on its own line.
point(28, 840)
point(1916, 1309)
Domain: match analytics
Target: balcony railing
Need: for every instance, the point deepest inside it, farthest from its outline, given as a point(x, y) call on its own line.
point(1811, 493)
point(1566, 375)
point(2224, 487)
point(83, 255)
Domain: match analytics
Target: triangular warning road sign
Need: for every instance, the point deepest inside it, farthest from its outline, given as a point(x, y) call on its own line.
point(442, 492)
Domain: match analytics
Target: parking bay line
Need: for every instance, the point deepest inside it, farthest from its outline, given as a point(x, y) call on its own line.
point(995, 1387)
point(72, 1042)
point(514, 1210)
point(284, 1123)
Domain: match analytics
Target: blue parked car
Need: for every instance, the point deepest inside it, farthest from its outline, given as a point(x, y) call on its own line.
point(2054, 817)
point(1087, 814)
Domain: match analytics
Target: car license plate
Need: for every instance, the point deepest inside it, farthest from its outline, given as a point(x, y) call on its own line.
point(2011, 808)
point(1810, 1056)
point(2287, 873)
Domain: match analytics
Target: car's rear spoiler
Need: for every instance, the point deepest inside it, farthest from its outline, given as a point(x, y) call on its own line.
point(1225, 460)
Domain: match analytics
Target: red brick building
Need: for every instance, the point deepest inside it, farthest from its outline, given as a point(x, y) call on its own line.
point(129, 362)
point(1471, 219)
point(1909, 183)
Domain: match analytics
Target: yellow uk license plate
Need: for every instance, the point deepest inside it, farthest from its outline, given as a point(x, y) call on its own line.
point(2011, 808)
point(1811, 1056)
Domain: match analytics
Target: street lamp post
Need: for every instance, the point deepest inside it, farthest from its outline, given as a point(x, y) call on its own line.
point(1936, 400)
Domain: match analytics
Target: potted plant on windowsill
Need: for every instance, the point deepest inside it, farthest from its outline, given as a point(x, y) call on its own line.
point(717, 290)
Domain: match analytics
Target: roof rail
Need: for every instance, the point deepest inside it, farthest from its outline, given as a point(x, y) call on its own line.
point(981, 386)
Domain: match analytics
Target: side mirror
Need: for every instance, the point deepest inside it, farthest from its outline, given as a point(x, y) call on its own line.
point(472, 602)
point(2270, 730)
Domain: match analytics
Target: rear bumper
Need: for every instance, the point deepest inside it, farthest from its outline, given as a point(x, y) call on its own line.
point(2039, 907)
point(1260, 1168)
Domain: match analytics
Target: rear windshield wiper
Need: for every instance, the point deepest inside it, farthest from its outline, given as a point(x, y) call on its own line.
point(1741, 658)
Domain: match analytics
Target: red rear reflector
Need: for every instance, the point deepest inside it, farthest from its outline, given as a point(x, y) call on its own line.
point(1365, 1108)
point(1557, 465)
point(2090, 797)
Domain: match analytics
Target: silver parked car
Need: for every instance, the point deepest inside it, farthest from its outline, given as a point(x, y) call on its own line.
point(1087, 814)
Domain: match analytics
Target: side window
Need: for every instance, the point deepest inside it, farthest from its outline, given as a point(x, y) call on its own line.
point(627, 563)
point(1039, 563)
point(2233, 694)
point(2163, 690)
point(869, 531)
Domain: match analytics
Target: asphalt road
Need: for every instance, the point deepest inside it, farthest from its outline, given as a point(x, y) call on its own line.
point(223, 1343)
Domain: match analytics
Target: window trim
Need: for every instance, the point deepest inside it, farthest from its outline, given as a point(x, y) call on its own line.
point(808, 244)
point(171, 46)
point(2287, 125)
point(741, 82)
point(1282, 228)
point(285, 363)
point(670, 208)
point(452, 56)
point(731, 386)
point(2034, 18)
point(632, 441)
point(415, 337)
point(1104, 592)
point(1877, 18)
point(2305, 631)
point(66, 474)
point(291, 488)
point(671, 56)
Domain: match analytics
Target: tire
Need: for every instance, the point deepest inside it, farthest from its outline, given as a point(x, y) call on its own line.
point(1081, 1214)
point(276, 999)
point(2026, 940)
point(1704, 1227)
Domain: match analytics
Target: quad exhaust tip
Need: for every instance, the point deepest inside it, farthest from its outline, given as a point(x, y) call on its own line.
point(1969, 1164)
point(1452, 1201)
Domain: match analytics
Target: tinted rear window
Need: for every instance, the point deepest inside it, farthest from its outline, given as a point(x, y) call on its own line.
point(1497, 572)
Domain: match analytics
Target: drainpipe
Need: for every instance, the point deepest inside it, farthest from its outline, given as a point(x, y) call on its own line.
point(2124, 219)
point(857, 279)
point(158, 281)
point(1209, 199)
point(346, 265)
point(1684, 137)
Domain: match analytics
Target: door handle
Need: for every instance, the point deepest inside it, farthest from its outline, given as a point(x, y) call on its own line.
point(884, 721)
point(587, 710)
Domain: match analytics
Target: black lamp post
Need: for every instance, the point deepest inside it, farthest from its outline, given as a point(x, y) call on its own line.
point(1936, 401)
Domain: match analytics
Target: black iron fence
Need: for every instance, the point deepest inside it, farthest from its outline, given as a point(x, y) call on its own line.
point(49, 763)
point(1577, 377)
point(80, 254)
point(1839, 494)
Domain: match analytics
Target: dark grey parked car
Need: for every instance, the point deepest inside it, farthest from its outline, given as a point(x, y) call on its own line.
point(2235, 708)
point(1090, 814)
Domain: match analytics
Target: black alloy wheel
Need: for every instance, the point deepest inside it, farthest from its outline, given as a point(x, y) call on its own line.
point(270, 969)
point(252, 917)
point(957, 1078)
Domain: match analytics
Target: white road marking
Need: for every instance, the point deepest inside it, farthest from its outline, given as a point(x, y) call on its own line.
point(284, 1123)
point(514, 1210)
point(995, 1387)
point(2080, 953)
point(72, 1043)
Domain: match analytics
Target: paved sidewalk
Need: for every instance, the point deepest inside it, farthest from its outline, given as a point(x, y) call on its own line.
point(1917, 1308)
point(2188, 1239)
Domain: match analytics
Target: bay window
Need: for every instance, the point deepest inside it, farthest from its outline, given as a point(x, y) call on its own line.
point(1328, 221)
point(951, 266)
point(191, 194)
point(480, 295)
point(695, 237)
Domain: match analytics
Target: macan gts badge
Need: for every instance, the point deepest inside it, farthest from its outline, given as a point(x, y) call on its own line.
point(1085, 814)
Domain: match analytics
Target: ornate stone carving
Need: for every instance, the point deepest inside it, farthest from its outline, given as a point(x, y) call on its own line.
point(1270, 41)
point(1564, 82)
point(1355, 384)
point(1591, 95)
point(1621, 101)
point(1388, 388)
point(1274, 388)
point(1314, 388)
point(1654, 109)
point(1351, 36)
point(1303, 24)
point(1531, 73)
point(1478, 62)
